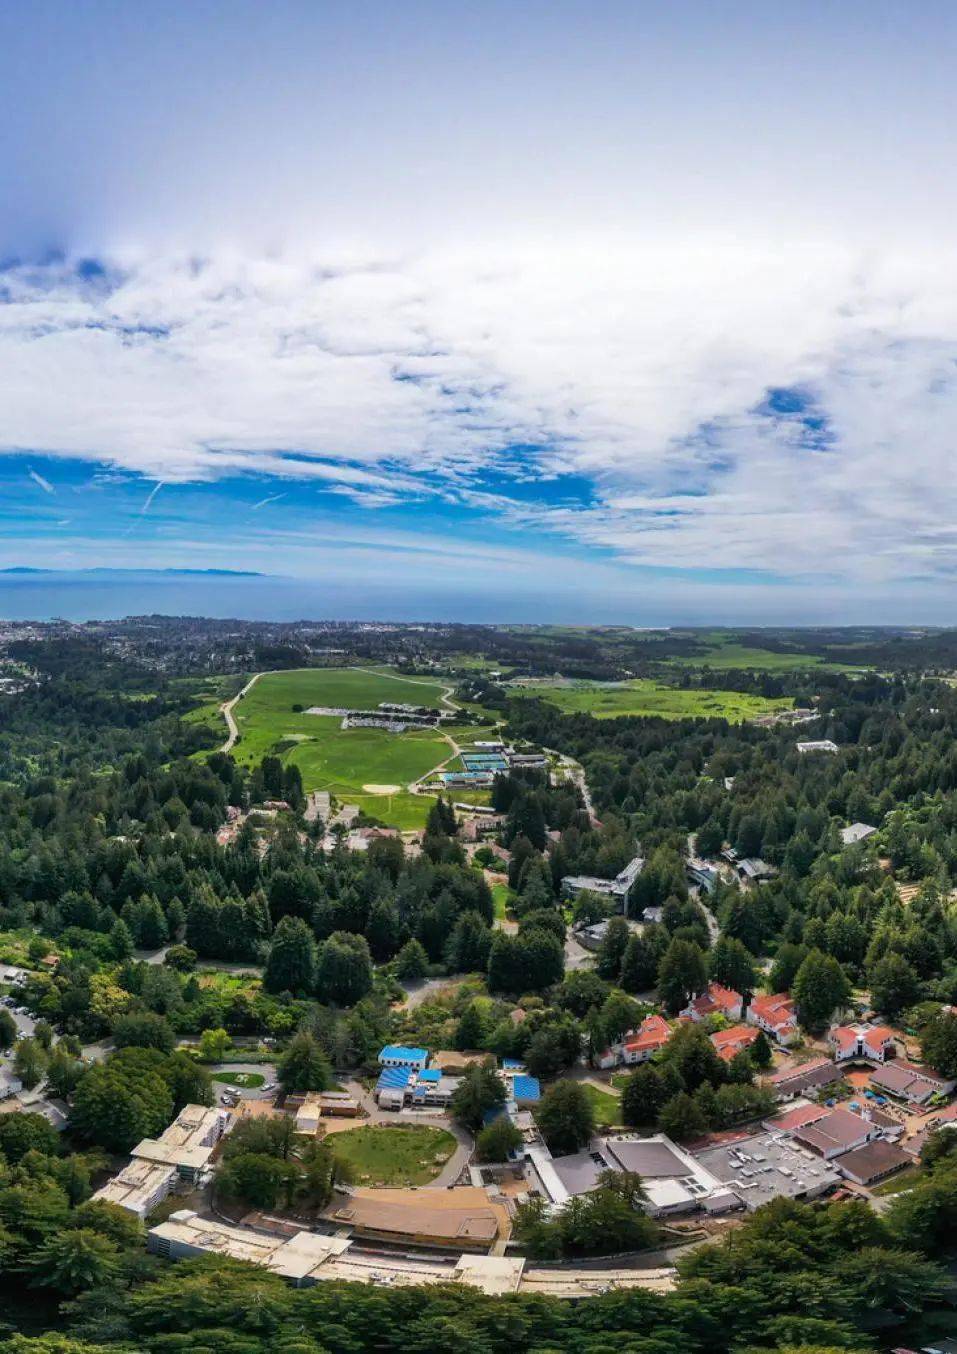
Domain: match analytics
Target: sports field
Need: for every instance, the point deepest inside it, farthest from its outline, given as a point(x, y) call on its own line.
point(368, 767)
point(608, 700)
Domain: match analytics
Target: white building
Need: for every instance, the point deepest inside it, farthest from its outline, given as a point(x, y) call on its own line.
point(817, 745)
point(618, 889)
point(187, 1144)
point(138, 1188)
point(857, 832)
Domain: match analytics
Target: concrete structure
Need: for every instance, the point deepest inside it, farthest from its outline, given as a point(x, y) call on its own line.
point(809, 1076)
point(392, 1087)
point(766, 1166)
point(776, 1015)
point(856, 832)
point(308, 1258)
point(188, 1143)
point(702, 875)
point(817, 745)
point(308, 1116)
point(338, 1104)
point(618, 889)
point(751, 870)
point(717, 1000)
point(873, 1043)
point(138, 1188)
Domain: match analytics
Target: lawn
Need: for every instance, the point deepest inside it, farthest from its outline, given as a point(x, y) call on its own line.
point(251, 1081)
point(642, 696)
point(724, 652)
point(344, 761)
point(394, 1156)
point(501, 897)
point(606, 1105)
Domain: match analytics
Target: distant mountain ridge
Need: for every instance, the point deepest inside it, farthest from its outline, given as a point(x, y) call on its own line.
point(104, 569)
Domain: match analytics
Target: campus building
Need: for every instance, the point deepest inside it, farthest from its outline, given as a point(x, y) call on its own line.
point(187, 1144)
point(776, 1016)
point(618, 889)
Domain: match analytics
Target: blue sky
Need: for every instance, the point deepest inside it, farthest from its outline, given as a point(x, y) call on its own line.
point(647, 310)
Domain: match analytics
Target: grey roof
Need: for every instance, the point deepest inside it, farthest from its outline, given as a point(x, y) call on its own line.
point(857, 832)
point(768, 1166)
point(872, 1161)
point(654, 1160)
point(579, 1171)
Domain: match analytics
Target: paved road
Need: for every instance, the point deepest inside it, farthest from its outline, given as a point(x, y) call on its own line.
point(576, 956)
point(227, 711)
point(267, 1070)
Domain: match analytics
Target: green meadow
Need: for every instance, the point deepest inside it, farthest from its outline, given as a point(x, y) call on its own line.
point(642, 696)
point(344, 761)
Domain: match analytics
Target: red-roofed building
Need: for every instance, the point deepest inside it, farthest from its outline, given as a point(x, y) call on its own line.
point(876, 1043)
point(638, 1046)
point(729, 1043)
point(776, 1016)
point(796, 1118)
point(717, 1000)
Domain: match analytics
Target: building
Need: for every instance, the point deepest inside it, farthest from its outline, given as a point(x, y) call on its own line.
point(639, 1046)
point(138, 1188)
point(618, 889)
point(856, 832)
point(809, 1076)
point(674, 1182)
point(10, 1083)
point(875, 1043)
point(764, 1166)
point(308, 1116)
point(464, 1217)
point(393, 1087)
point(873, 1162)
point(776, 1016)
point(187, 1144)
point(702, 875)
point(338, 1104)
point(817, 745)
point(753, 870)
point(835, 1132)
point(907, 1081)
point(729, 1043)
point(717, 1000)
point(399, 1055)
point(307, 1258)
point(527, 761)
point(433, 1087)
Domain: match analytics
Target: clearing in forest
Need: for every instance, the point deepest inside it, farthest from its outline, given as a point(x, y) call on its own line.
point(642, 696)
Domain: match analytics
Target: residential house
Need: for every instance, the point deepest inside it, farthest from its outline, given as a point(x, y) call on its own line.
point(776, 1016)
point(638, 1046)
point(733, 1041)
point(717, 1000)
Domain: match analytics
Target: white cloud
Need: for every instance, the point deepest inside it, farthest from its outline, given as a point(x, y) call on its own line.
point(640, 368)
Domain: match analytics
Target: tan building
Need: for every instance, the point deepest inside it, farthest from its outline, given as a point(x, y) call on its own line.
point(464, 1218)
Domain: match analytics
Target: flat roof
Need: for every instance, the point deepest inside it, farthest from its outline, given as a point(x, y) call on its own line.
point(404, 1051)
point(650, 1157)
point(579, 1171)
point(768, 1166)
point(135, 1185)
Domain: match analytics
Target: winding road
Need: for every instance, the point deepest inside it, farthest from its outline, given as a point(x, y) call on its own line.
point(227, 713)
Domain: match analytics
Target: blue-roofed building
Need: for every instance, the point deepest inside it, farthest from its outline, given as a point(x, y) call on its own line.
point(430, 1074)
point(399, 1055)
point(392, 1088)
point(526, 1089)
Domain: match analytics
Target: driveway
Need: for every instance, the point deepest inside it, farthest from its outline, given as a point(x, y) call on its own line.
point(265, 1092)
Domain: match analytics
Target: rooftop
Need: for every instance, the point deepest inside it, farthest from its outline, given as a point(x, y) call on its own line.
point(837, 1128)
point(402, 1052)
point(873, 1161)
point(768, 1166)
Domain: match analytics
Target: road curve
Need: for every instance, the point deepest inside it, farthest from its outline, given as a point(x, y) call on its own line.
point(227, 712)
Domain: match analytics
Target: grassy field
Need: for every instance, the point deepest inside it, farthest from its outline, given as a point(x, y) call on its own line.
point(606, 1105)
point(250, 1080)
point(394, 1156)
point(344, 761)
point(642, 696)
point(723, 652)
point(501, 897)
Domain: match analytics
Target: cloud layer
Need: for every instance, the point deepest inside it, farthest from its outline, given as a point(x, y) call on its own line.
point(791, 412)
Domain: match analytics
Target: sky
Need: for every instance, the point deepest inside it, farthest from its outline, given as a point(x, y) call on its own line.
point(582, 311)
